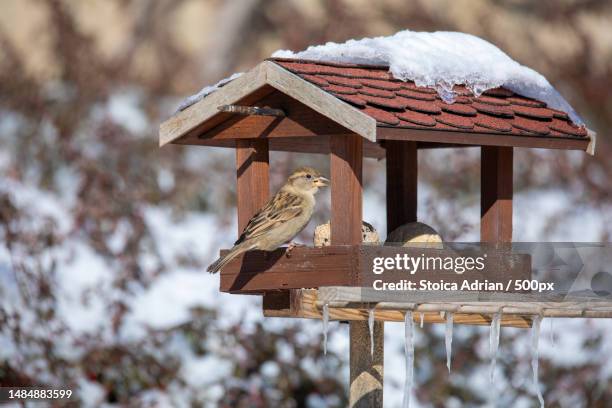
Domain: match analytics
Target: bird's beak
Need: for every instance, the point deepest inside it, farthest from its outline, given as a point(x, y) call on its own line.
point(321, 182)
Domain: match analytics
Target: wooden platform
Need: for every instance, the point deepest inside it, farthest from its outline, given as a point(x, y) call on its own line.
point(351, 265)
point(352, 304)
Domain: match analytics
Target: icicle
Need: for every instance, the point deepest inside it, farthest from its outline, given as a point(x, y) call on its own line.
point(409, 350)
point(325, 325)
point(552, 332)
point(449, 339)
point(535, 354)
point(371, 327)
point(422, 315)
point(494, 342)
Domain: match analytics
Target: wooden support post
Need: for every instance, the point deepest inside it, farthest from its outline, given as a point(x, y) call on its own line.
point(402, 171)
point(252, 172)
point(366, 367)
point(366, 372)
point(496, 194)
point(346, 161)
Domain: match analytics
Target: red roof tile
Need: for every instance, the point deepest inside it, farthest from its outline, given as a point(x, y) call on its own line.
point(416, 95)
point(392, 102)
point(417, 118)
point(381, 115)
point(567, 128)
point(381, 93)
point(537, 113)
point(499, 92)
point(462, 90)
point(413, 87)
point(461, 122)
point(353, 99)
point(344, 81)
point(521, 100)
point(531, 126)
point(492, 123)
point(422, 106)
point(317, 80)
point(339, 89)
point(494, 110)
point(378, 84)
point(463, 99)
point(398, 103)
point(457, 108)
point(490, 100)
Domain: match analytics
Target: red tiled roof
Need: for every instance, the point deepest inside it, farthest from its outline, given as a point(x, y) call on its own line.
point(395, 103)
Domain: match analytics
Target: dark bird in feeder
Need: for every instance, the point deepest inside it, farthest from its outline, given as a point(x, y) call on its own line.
point(281, 219)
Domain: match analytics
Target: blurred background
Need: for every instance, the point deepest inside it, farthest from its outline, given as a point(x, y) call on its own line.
point(104, 237)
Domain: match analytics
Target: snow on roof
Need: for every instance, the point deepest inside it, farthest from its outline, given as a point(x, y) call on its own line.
point(442, 60)
point(448, 62)
point(190, 100)
point(395, 103)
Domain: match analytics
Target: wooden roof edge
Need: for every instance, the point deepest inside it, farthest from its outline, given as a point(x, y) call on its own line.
point(186, 120)
point(586, 144)
point(267, 73)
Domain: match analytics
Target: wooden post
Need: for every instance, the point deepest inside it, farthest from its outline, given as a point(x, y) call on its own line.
point(366, 371)
point(496, 194)
point(252, 172)
point(402, 171)
point(346, 190)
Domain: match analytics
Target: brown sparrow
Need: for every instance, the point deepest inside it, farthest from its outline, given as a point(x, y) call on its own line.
point(281, 219)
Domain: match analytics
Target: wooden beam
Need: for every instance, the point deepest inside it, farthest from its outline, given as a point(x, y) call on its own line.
point(482, 139)
point(366, 366)
point(351, 265)
point(346, 160)
point(252, 185)
point(252, 110)
point(496, 194)
point(401, 176)
point(315, 145)
point(307, 267)
point(299, 121)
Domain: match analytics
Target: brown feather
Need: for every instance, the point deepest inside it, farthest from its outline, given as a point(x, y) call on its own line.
point(281, 208)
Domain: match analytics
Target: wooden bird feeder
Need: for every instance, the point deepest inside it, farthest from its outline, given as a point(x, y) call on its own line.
point(352, 112)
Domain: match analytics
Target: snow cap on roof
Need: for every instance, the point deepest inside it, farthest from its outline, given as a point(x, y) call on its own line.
point(442, 60)
point(394, 103)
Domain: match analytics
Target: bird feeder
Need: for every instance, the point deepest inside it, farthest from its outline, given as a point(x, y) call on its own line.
point(351, 112)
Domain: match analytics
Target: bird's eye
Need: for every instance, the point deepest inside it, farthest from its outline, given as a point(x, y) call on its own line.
point(308, 176)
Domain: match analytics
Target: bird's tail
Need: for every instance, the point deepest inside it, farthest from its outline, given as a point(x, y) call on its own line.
point(234, 252)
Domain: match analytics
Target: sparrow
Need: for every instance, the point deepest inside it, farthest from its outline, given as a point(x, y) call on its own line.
point(415, 234)
point(281, 219)
point(322, 234)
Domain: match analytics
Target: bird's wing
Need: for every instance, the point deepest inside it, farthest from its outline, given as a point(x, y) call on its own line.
point(281, 208)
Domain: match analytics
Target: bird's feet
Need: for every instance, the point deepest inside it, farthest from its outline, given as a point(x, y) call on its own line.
point(290, 248)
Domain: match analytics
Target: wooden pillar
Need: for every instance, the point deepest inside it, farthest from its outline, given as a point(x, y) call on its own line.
point(366, 372)
point(496, 194)
point(252, 172)
point(402, 171)
point(346, 161)
point(366, 368)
